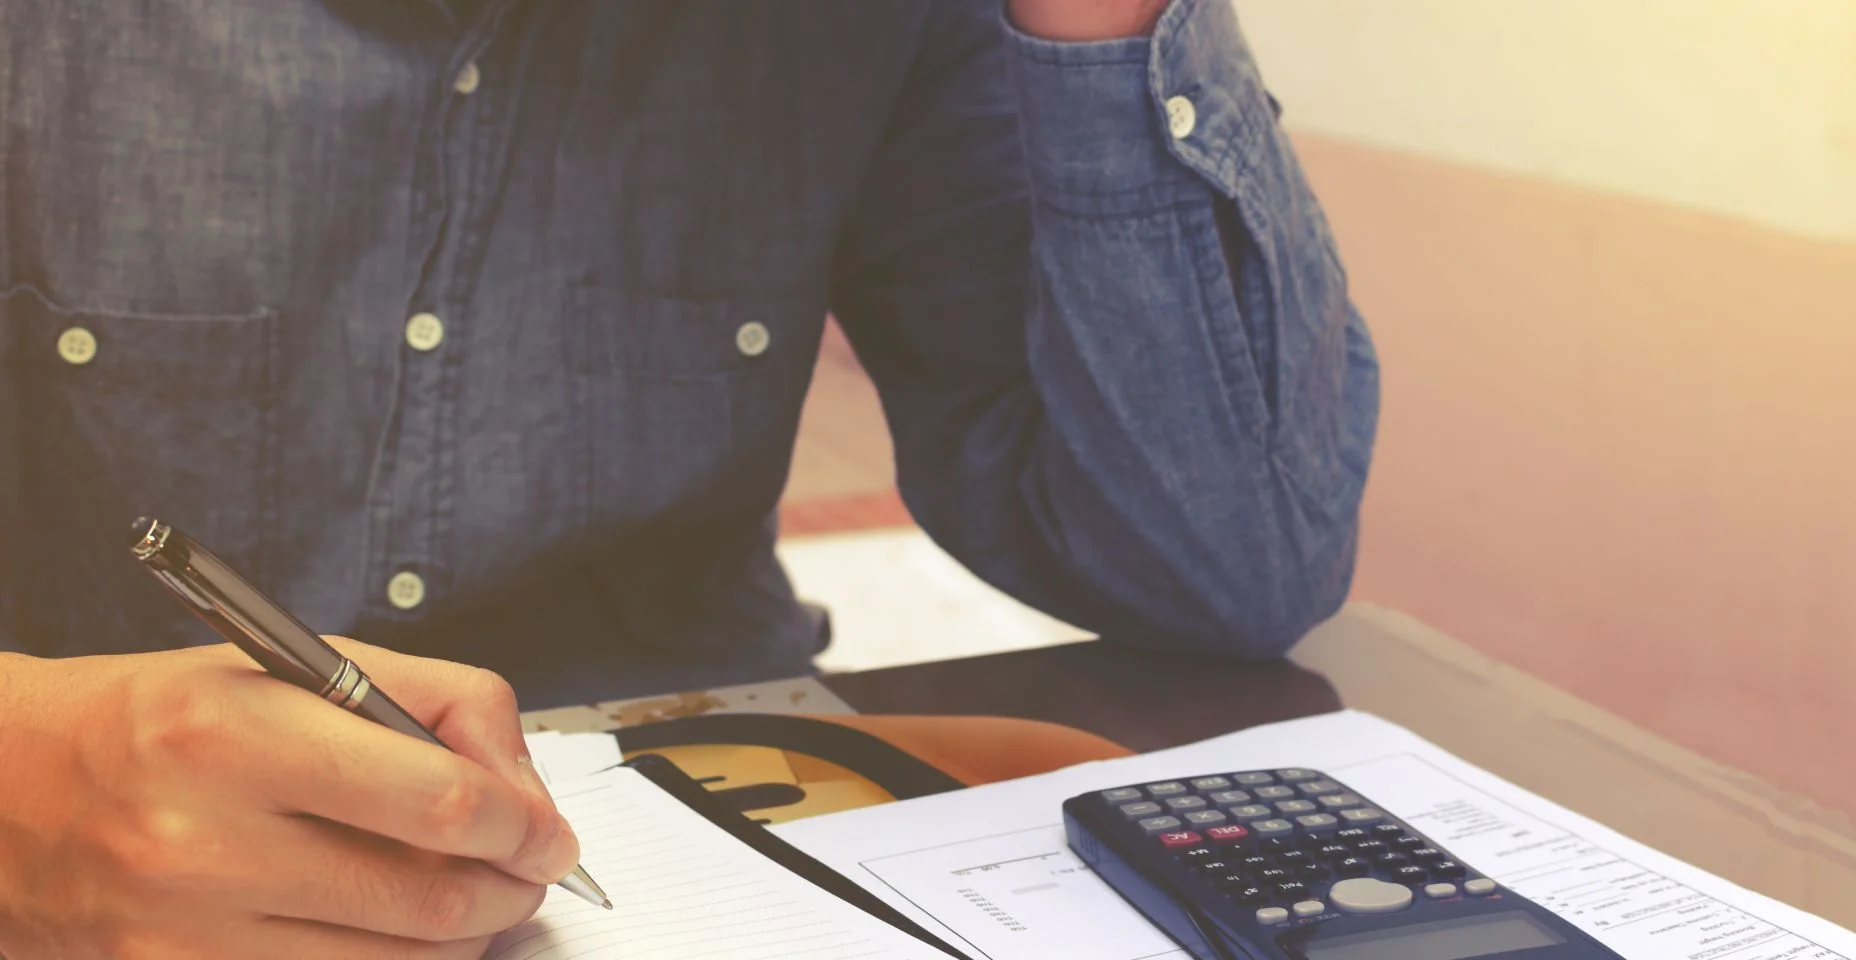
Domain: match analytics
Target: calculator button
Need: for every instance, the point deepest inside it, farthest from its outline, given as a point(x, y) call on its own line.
point(1252, 811)
point(1197, 854)
point(1228, 798)
point(1427, 855)
point(1390, 861)
point(1335, 801)
point(1271, 846)
point(1366, 895)
point(1274, 875)
point(1317, 821)
point(1362, 815)
point(1135, 811)
point(1334, 851)
point(1251, 779)
point(1296, 773)
point(1272, 828)
point(1440, 891)
point(1122, 794)
point(1171, 788)
point(1176, 839)
point(1352, 834)
point(1313, 787)
point(1294, 858)
point(1309, 908)
point(1289, 808)
point(1250, 895)
point(1412, 875)
point(1185, 803)
point(1407, 842)
point(1387, 831)
point(1227, 834)
point(1211, 783)
point(1205, 818)
point(1291, 890)
point(1272, 915)
point(1354, 867)
point(1311, 871)
point(1274, 793)
point(1448, 869)
point(1370, 848)
point(1479, 887)
point(1229, 881)
point(1255, 865)
point(1216, 868)
point(1160, 824)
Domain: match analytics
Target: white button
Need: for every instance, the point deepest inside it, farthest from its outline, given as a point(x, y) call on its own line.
point(77, 346)
point(1479, 887)
point(1181, 117)
point(468, 78)
point(1310, 908)
point(1367, 895)
point(1272, 915)
point(406, 590)
point(1440, 891)
point(752, 339)
point(425, 332)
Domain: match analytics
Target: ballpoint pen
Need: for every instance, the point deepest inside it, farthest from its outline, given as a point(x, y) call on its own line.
point(281, 644)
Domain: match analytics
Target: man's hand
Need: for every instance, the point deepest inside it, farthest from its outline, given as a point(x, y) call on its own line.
point(1083, 21)
point(187, 805)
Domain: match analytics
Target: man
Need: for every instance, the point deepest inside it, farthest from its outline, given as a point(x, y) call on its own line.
point(478, 330)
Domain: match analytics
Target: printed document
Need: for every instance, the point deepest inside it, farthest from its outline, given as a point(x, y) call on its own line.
point(989, 871)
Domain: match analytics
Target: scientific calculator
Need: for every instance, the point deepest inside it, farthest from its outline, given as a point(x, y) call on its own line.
point(1292, 864)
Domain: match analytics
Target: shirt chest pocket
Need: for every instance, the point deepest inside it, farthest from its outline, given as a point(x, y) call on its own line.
point(116, 416)
point(687, 402)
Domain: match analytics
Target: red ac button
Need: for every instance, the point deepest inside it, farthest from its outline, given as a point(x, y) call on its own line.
point(1181, 838)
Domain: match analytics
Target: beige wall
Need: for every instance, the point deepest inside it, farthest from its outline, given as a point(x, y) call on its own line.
point(1619, 446)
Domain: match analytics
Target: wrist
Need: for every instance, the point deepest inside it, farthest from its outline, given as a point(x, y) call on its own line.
point(1086, 21)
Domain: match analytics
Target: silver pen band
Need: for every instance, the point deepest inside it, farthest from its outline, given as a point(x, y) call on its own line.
point(348, 687)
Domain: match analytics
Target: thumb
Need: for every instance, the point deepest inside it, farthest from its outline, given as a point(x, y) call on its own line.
point(471, 709)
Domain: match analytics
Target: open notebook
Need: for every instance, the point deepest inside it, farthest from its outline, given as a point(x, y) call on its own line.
point(683, 888)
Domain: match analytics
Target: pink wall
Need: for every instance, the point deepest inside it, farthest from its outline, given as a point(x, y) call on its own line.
point(1619, 450)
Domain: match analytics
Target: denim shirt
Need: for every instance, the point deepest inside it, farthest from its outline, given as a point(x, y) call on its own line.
point(481, 331)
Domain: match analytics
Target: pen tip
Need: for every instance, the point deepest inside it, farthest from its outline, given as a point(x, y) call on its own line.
point(606, 903)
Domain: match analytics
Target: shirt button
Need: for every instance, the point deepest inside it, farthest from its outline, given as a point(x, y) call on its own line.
point(77, 346)
point(406, 590)
point(424, 332)
point(1181, 117)
point(752, 339)
point(467, 79)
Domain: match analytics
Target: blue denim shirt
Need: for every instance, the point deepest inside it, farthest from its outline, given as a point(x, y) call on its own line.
point(483, 335)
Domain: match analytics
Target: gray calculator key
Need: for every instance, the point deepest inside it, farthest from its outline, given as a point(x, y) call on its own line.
point(1252, 779)
point(1186, 803)
point(1205, 818)
point(1135, 811)
point(1122, 794)
point(1367, 895)
point(1440, 891)
point(1289, 808)
point(1160, 824)
point(1479, 887)
point(1296, 773)
point(1210, 783)
point(1171, 788)
point(1252, 811)
point(1310, 908)
point(1362, 815)
point(1318, 821)
point(1272, 828)
point(1230, 798)
point(1312, 787)
point(1274, 793)
point(1272, 915)
point(1334, 801)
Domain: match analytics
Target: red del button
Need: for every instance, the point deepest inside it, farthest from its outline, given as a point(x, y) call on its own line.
point(1227, 834)
point(1181, 838)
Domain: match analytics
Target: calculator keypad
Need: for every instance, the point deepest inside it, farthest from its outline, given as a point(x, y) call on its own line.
point(1279, 841)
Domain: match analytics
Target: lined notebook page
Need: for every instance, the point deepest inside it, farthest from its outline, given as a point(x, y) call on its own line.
point(683, 889)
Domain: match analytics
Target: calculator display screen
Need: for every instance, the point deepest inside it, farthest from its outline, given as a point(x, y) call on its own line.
point(1465, 938)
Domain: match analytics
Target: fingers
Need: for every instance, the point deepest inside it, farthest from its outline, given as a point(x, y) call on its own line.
point(344, 878)
point(471, 709)
point(301, 757)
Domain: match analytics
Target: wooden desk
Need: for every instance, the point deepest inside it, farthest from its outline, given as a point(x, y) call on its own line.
point(1536, 736)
